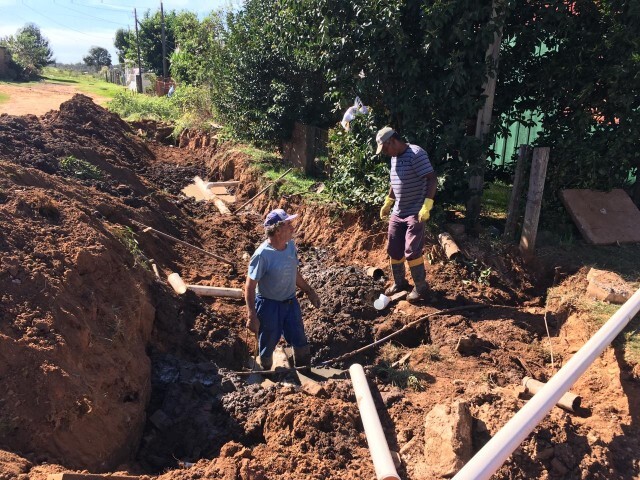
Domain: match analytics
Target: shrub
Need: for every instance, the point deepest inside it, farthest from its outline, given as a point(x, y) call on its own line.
point(359, 177)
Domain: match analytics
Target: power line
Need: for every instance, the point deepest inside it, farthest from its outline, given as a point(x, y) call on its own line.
point(55, 21)
point(88, 15)
point(112, 8)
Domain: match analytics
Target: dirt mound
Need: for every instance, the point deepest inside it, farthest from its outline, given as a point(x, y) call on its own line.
point(106, 368)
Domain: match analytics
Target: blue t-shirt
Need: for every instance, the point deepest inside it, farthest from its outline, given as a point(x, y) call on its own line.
point(275, 271)
point(407, 180)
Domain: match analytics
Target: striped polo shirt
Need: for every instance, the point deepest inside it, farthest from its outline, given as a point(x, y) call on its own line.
point(407, 180)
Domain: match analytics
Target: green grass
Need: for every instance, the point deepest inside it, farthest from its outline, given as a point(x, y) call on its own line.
point(87, 83)
point(295, 182)
point(628, 341)
point(132, 106)
point(4, 97)
point(495, 200)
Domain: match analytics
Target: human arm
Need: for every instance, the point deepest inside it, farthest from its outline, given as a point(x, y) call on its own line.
point(425, 211)
point(388, 203)
point(253, 323)
point(302, 284)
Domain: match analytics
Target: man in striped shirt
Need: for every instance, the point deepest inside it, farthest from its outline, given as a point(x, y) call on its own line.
point(413, 186)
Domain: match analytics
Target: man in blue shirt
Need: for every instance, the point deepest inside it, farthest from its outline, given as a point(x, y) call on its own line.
point(413, 186)
point(270, 292)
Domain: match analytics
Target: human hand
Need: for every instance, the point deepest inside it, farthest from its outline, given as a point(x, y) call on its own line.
point(425, 211)
point(313, 298)
point(386, 208)
point(253, 323)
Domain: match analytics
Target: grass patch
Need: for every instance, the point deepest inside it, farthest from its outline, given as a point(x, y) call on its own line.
point(188, 108)
point(81, 169)
point(629, 339)
point(295, 182)
point(4, 97)
point(128, 238)
point(88, 83)
point(495, 200)
point(401, 377)
point(132, 106)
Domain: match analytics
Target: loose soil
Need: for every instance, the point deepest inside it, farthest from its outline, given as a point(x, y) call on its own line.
point(105, 369)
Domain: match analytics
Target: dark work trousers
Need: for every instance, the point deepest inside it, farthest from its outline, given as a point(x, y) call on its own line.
point(405, 237)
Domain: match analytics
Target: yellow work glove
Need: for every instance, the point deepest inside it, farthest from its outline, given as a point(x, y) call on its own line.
point(386, 208)
point(424, 213)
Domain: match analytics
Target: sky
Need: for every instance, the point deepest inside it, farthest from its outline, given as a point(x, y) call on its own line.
point(72, 27)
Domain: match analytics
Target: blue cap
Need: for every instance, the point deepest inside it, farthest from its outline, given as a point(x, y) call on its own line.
point(276, 216)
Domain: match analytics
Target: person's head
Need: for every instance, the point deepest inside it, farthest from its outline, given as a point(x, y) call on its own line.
point(278, 221)
point(389, 142)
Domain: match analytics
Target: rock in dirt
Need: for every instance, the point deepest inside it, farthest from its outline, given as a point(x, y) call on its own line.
point(447, 445)
point(608, 287)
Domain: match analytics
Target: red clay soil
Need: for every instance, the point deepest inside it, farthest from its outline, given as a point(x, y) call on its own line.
point(106, 369)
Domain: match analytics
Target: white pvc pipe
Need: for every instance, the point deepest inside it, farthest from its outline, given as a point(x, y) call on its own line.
point(177, 283)
point(205, 291)
point(382, 461)
point(487, 461)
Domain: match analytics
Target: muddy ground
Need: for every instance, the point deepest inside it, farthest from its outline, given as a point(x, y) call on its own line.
point(105, 369)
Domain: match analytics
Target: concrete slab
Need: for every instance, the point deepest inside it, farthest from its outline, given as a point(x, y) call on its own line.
point(603, 218)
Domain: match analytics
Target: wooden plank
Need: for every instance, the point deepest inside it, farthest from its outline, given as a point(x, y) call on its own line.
point(534, 201)
point(603, 218)
point(524, 152)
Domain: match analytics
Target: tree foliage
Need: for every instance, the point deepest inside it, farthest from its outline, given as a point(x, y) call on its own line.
point(97, 57)
point(359, 177)
point(265, 85)
point(576, 64)
point(29, 51)
point(150, 40)
point(122, 42)
point(199, 49)
point(421, 65)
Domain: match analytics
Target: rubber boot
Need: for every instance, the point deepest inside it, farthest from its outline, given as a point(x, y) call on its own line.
point(419, 275)
point(399, 281)
point(302, 357)
point(264, 363)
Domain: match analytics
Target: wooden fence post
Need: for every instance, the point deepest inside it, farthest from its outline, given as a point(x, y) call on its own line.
point(534, 200)
point(524, 154)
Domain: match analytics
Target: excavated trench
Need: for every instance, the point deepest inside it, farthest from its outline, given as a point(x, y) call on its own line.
point(134, 378)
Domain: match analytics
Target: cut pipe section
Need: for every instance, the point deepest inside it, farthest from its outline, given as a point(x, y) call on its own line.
point(216, 291)
point(382, 460)
point(569, 401)
point(491, 457)
point(177, 283)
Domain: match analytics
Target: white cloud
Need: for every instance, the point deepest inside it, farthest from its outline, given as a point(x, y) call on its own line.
point(70, 46)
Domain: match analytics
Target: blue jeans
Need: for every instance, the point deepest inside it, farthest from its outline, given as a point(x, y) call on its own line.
point(279, 318)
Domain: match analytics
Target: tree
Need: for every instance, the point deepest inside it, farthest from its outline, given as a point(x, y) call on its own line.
point(29, 50)
point(97, 57)
point(199, 49)
point(123, 41)
point(576, 65)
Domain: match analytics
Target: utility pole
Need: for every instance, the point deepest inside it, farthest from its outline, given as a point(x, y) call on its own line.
point(164, 48)
point(139, 76)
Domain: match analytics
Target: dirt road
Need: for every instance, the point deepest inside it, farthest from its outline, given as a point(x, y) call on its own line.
point(38, 99)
